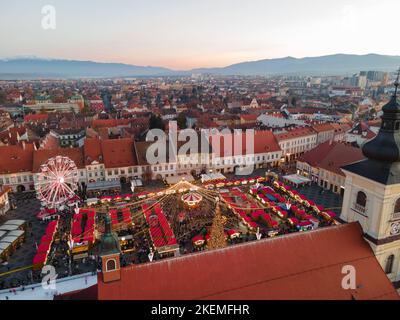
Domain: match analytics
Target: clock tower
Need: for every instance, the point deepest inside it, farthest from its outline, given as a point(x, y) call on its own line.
point(372, 190)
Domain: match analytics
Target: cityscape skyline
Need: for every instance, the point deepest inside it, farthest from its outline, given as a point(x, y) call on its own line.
point(207, 150)
point(188, 35)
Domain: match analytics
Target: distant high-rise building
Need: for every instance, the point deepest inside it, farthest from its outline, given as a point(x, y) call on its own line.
point(362, 80)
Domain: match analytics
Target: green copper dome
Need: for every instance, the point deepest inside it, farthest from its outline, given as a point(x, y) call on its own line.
point(109, 241)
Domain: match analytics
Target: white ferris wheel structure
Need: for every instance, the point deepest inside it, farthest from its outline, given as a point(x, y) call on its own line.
point(57, 181)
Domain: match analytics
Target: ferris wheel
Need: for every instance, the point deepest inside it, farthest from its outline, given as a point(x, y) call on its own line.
point(57, 181)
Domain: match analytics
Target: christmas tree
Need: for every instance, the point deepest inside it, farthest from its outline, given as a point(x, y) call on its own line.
point(217, 235)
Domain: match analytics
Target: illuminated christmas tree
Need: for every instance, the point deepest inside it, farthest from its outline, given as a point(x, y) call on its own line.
point(217, 235)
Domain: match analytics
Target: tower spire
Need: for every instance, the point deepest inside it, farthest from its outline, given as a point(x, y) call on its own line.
point(396, 83)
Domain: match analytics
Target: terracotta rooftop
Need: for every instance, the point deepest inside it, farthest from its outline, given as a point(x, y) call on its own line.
point(42, 155)
point(118, 153)
point(331, 156)
point(16, 159)
point(36, 117)
point(297, 266)
point(92, 150)
point(109, 123)
point(264, 142)
point(322, 127)
point(294, 133)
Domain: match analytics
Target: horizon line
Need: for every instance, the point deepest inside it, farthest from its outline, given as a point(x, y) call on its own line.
point(33, 57)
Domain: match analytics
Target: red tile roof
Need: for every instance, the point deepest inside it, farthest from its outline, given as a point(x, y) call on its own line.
point(264, 142)
point(92, 150)
point(16, 159)
point(316, 155)
point(249, 117)
point(323, 127)
point(37, 117)
point(118, 153)
point(340, 155)
point(294, 133)
point(42, 155)
point(297, 266)
point(109, 123)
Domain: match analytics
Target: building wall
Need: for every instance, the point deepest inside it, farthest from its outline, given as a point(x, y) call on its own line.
point(14, 180)
point(299, 145)
point(4, 203)
point(330, 180)
point(325, 136)
point(378, 217)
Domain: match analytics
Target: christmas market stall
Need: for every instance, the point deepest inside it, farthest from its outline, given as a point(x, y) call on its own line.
point(198, 241)
point(242, 206)
point(44, 247)
point(82, 233)
point(161, 234)
point(46, 213)
point(121, 224)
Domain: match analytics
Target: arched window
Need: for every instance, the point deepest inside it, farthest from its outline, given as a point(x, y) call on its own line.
point(397, 206)
point(361, 199)
point(111, 265)
point(389, 264)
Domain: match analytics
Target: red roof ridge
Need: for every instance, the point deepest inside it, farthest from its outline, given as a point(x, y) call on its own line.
point(250, 243)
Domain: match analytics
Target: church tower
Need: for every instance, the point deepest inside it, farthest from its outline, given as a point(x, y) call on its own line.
point(372, 190)
point(109, 252)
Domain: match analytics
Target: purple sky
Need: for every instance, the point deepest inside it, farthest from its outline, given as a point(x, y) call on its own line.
point(183, 34)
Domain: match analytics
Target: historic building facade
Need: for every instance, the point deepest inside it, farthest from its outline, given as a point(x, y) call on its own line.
point(372, 191)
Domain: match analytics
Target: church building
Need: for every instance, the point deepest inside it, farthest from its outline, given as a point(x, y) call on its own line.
point(372, 191)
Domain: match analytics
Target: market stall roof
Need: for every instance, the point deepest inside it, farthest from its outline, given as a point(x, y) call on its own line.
point(39, 258)
point(212, 176)
point(9, 239)
point(198, 238)
point(43, 247)
point(296, 179)
point(4, 245)
point(17, 222)
point(2, 233)
point(16, 233)
point(47, 238)
point(103, 185)
point(175, 179)
point(136, 183)
point(8, 227)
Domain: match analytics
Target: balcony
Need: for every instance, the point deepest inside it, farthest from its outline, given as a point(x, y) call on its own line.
point(359, 208)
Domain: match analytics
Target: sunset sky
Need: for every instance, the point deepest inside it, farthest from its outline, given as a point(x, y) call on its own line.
point(184, 34)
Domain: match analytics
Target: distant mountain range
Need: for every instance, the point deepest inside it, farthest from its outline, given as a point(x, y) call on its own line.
point(29, 68)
